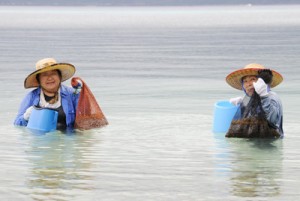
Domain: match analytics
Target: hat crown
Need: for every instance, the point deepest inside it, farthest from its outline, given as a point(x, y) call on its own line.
point(44, 63)
point(254, 65)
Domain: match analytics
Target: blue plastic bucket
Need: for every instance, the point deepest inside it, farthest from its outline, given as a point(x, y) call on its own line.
point(223, 114)
point(43, 119)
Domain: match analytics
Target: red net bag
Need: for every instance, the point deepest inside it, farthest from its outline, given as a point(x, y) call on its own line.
point(88, 113)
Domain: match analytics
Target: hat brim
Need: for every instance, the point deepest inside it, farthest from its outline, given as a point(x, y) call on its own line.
point(67, 71)
point(234, 78)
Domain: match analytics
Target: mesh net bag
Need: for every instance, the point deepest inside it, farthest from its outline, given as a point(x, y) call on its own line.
point(253, 122)
point(88, 113)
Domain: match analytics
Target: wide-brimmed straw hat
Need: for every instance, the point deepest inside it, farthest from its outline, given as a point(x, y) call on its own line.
point(234, 79)
point(48, 64)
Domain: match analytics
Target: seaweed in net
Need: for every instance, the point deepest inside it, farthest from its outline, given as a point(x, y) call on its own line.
point(88, 113)
point(266, 75)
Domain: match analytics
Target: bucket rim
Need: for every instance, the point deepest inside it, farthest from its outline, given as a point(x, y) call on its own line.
point(230, 105)
point(44, 108)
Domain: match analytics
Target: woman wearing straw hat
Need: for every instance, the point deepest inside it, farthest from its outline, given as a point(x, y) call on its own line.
point(50, 93)
point(247, 79)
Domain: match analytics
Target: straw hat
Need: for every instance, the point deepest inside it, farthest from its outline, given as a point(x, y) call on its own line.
point(48, 64)
point(234, 79)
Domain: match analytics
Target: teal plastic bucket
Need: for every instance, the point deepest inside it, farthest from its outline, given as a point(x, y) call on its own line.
point(43, 119)
point(224, 112)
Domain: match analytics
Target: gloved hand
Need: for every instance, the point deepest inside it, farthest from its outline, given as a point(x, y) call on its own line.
point(236, 101)
point(78, 85)
point(261, 87)
point(27, 114)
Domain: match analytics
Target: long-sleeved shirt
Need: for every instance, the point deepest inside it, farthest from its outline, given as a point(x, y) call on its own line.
point(69, 101)
point(272, 106)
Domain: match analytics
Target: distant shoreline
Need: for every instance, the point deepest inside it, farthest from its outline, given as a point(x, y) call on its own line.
point(146, 5)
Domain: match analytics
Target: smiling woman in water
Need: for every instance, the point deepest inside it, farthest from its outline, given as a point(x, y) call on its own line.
point(50, 93)
point(256, 82)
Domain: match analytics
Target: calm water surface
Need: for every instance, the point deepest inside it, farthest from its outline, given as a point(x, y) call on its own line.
point(156, 73)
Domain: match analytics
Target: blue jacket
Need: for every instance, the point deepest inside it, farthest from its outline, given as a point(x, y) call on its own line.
point(272, 106)
point(69, 104)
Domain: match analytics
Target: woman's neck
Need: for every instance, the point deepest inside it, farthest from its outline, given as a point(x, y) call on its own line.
point(48, 93)
point(50, 96)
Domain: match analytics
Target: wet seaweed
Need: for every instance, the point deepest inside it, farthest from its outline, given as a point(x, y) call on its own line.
point(266, 75)
point(253, 123)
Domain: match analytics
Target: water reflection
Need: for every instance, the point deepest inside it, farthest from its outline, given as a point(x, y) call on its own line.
point(59, 164)
point(256, 167)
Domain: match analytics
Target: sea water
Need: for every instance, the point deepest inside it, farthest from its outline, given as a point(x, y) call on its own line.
point(156, 73)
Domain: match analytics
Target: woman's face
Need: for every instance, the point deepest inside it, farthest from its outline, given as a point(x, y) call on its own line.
point(50, 81)
point(248, 84)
